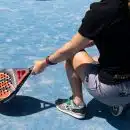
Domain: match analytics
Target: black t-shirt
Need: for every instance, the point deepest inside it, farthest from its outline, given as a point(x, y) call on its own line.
point(108, 23)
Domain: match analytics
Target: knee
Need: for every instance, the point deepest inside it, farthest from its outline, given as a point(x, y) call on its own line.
point(77, 57)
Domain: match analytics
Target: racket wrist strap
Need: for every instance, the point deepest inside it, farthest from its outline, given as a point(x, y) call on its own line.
point(49, 62)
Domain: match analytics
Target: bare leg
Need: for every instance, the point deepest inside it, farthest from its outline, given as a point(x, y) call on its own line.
point(75, 68)
point(75, 83)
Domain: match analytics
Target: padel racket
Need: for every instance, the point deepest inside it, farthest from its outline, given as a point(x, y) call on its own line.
point(11, 80)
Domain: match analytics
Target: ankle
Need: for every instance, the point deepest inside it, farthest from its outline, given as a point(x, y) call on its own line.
point(78, 101)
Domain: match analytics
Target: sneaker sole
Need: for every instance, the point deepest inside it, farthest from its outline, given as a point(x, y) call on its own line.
point(70, 113)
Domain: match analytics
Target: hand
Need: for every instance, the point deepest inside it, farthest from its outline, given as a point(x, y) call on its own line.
point(39, 66)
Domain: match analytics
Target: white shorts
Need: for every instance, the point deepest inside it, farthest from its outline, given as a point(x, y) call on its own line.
point(118, 94)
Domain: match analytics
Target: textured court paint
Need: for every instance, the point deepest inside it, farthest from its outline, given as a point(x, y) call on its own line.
point(31, 29)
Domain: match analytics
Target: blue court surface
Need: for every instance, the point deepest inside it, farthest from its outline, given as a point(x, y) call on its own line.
point(30, 30)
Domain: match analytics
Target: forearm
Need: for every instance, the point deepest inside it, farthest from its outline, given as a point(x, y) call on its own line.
point(70, 48)
point(64, 53)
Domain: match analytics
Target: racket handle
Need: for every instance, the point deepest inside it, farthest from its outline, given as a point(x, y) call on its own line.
point(31, 68)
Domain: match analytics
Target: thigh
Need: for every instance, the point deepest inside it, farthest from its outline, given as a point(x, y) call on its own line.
point(82, 64)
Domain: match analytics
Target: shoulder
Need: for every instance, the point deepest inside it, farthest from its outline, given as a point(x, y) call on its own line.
point(104, 9)
point(98, 16)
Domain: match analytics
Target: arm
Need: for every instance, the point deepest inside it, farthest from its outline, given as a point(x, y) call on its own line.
point(77, 43)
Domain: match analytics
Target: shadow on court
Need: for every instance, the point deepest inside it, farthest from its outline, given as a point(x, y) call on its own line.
point(95, 108)
point(24, 105)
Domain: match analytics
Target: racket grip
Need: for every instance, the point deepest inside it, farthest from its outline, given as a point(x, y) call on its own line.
point(31, 68)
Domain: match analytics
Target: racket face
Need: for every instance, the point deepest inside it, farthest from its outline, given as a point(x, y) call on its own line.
point(11, 81)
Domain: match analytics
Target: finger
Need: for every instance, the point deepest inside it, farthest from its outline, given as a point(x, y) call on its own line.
point(34, 72)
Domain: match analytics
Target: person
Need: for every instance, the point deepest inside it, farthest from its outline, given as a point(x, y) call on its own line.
point(107, 25)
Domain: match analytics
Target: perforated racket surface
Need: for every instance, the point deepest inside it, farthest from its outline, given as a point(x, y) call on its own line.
point(11, 81)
